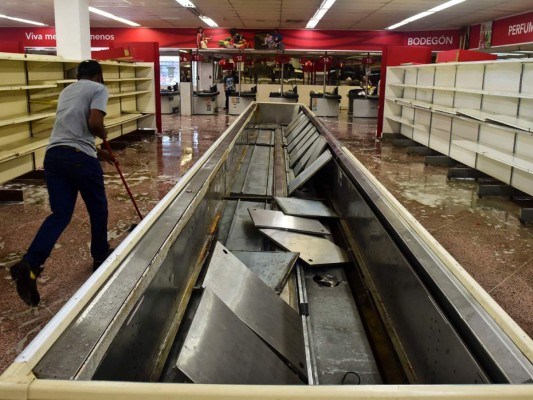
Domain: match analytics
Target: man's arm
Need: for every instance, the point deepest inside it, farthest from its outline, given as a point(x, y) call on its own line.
point(96, 123)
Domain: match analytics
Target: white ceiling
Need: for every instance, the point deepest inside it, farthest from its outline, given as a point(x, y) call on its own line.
point(263, 14)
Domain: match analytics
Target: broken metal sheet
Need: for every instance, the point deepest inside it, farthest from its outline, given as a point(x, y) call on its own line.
point(299, 151)
point(305, 208)
point(318, 146)
point(242, 233)
point(272, 267)
point(308, 173)
point(221, 349)
point(308, 135)
point(316, 152)
point(313, 250)
point(278, 220)
point(298, 129)
point(293, 123)
point(254, 303)
point(300, 137)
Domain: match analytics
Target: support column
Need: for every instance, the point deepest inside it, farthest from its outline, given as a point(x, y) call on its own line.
point(73, 36)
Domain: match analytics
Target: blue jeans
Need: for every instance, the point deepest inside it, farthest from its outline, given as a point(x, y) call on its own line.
point(68, 171)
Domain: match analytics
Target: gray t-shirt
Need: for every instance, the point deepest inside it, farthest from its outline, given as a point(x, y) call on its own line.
point(72, 116)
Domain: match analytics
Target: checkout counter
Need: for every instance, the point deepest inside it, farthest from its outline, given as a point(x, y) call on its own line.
point(290, 96)
point(238, 101)
point(205, 101)
point(361, 106)
point(170, 101)
point(325, 104)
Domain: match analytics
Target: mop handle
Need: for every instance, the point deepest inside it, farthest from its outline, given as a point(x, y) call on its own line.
point(122, 177)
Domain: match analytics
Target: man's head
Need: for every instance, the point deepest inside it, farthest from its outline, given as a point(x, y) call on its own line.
point(90, 69)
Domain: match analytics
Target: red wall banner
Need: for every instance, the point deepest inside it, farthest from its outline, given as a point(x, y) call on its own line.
point(506, 31)
point(293, 39)
point(513, 30)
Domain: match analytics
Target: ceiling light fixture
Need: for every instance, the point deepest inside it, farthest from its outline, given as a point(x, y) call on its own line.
point(26, 21)
point(323, 9)
point(208, 21)
point(186, 3)
point(426, 13)
point(111, 16)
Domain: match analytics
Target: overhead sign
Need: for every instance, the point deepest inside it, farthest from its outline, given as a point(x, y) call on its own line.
point(436, 40)
point(513, 30)
point(368, 61)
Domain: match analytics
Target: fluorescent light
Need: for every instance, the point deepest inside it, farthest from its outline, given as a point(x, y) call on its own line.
point(186, 3)
point(323, 9)
point(410, 19)
point(208, 21)
point(426, 13)
point(445, 5)
point(26, 21)
point(111, 16)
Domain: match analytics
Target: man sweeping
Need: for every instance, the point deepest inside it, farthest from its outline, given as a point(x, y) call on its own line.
point(71, 166)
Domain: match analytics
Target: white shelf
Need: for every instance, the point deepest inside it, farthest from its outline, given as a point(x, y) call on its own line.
point(522, 123)
point(26, 87)
point(22, 147)
point(423, 105)
point(116, 95)
point(401, 120)
point(21, 118)
point(119, 120)
point(44, 77)
point(487, 105)
point(497, 155)
point(126, 79)
point(473, 91)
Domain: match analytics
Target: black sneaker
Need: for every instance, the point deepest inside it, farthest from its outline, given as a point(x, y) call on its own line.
point(97, 263)
point(26, 279)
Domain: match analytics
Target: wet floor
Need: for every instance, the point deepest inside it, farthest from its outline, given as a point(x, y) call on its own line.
point(484, 235)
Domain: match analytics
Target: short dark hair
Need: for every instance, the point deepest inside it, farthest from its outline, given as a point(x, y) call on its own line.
point(89, 69)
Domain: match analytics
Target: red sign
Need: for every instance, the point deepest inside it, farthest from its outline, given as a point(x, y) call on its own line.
point(184, 57)
point(197, 57)
point(326, 60)
point(513, 30)
point(282, 59)
point(240, 58)
point(293, 39)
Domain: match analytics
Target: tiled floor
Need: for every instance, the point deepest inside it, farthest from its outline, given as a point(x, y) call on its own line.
point(484, 235)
